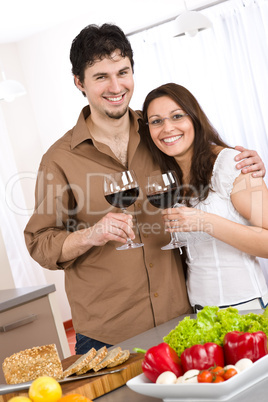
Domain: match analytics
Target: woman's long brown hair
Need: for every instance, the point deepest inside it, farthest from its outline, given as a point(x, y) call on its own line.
point(205, 136)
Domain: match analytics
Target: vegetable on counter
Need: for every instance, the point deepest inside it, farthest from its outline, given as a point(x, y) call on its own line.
point(238, 345)
point(189, 377)
point(202, 357)
point(223, 342)
point(159, 359)
point(211, 325)
point(212, 375)
point(167, 377)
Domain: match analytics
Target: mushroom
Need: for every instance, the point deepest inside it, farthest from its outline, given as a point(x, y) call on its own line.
point(167, 377)
point(190, 376)
point(242, 364)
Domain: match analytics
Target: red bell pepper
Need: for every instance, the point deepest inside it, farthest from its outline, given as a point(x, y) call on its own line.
point(158, 359)
point(237, 345)
point(202, 357)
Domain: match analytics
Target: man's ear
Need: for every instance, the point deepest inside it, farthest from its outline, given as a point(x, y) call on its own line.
point(78, 83)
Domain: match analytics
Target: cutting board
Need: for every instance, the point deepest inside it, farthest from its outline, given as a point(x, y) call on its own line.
point(94, 387)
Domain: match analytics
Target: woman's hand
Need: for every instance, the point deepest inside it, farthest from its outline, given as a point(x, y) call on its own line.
point(185, 219)
point(251, 162)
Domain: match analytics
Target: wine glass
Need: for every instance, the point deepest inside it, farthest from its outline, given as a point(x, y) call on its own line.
point(162, 192)
point(121, 190)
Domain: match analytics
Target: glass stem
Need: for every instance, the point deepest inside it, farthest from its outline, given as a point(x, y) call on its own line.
point(174, 241)
point(129, 241)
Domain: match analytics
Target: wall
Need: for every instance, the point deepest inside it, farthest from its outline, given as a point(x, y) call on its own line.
point(7, 281)
point(24, 131)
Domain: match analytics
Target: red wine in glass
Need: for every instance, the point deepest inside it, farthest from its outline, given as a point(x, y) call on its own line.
point(123, 199)
point(164, 199)
point(162, 191)
point(121, 190)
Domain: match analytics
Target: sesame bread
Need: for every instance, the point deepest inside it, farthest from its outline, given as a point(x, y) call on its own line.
point(30, 364)
point(112, 355)
point(80, 363)
point(101, 353)
point(121, 359)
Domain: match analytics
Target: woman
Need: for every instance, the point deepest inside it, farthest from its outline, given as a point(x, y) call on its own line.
point(225, 212)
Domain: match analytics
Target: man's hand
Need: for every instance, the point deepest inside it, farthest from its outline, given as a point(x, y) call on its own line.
point(112, 227)
point(251, 162)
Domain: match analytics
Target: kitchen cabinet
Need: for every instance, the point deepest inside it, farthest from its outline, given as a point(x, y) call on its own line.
point(28, 318)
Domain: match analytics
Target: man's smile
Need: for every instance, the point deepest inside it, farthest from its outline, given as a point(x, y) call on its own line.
point(115, 99)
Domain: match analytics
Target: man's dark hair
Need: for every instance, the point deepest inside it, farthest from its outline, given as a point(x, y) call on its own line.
point(95, 43)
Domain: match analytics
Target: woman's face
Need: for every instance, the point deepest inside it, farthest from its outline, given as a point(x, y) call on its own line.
point(171, 129)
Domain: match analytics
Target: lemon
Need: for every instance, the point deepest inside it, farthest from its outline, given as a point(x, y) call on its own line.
point(45, 389)
point(20, 399)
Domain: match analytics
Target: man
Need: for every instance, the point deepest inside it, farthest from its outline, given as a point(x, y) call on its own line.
point(113, 295)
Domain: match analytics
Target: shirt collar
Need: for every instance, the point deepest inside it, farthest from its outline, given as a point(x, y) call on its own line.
point(81, 132)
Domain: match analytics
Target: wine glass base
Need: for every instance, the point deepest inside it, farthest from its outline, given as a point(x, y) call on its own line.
point(129, 246)
point(169, 246)
point(172, 246)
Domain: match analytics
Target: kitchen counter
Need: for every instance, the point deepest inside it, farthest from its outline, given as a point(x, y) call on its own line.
point(10, 298)
point(155, 336)
point(145, 340)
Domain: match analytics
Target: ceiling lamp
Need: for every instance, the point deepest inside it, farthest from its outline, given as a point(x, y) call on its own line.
point(10, 89)
point(190, 23)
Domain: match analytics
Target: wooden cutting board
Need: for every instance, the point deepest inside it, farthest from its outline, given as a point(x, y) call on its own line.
point(94, 387)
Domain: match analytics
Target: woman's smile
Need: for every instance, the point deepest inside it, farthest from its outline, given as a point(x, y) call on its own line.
point(172, 140)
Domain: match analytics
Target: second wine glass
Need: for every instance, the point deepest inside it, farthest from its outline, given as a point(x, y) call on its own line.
point(162, 191)
point(121, 190)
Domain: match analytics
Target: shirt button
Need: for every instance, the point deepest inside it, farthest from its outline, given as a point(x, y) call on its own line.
point(145, 235)
point(156, 295)
point(151, 265)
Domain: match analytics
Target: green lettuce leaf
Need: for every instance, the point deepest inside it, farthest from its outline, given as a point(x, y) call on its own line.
point(211, 325)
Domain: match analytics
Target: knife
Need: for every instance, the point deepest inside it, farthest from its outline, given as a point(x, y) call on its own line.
point(7, 389)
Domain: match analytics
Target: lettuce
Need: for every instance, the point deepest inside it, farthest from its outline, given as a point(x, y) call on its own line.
point(211, 325)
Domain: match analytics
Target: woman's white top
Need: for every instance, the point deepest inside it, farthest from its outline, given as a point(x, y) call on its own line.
point(219, 274)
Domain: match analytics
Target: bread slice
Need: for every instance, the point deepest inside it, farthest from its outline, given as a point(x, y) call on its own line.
point(30, 364)
point(112, 355)
point(80, 363)
point(101, 353)
point(124, 356)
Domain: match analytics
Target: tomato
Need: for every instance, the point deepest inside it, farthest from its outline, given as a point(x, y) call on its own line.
point(218, 370)
point(218, 378)
point(229, 373)
point(205, 376)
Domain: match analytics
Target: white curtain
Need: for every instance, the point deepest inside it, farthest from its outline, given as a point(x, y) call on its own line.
point(225, 67)
point(25, 271)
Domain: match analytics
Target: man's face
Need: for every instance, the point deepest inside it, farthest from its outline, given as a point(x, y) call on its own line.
point(108, 86)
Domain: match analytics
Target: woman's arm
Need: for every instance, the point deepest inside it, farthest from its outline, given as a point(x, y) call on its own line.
point(250, 198)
